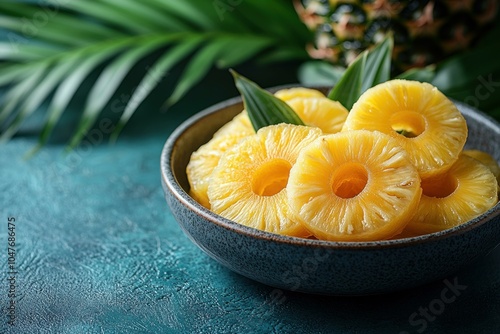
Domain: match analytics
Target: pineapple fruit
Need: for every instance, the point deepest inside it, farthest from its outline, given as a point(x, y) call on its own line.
point(321, 112)
point(392, 167)
point(287, 94)
point(462, 193)
point(314, 108)
point(424, 121)
point(425, 32)
point(354, 186)
point(487, 160)
point(204, 160)
point(248, 185)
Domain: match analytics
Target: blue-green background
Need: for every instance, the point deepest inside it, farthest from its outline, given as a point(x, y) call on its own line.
point(99, 252)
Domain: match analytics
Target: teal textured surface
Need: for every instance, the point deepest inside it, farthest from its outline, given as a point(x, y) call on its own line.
point(98, 251)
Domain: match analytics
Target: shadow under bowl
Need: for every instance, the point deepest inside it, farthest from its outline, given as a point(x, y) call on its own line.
point(317, 266)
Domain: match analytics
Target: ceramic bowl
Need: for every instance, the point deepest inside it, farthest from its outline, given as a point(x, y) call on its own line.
point(316, 266)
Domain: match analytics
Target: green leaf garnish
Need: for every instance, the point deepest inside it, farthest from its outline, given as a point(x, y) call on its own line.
point(319, 73)
point(369, 69)
point(348, 88)
point(263, 108)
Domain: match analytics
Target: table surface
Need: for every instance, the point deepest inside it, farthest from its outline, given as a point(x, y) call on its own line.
point(98, 251)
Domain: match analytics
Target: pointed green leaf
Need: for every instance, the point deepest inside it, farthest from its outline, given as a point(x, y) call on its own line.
point(378, 64)
point(263, 108)
point(319, 73)
point(369, 69)
point(348, 89)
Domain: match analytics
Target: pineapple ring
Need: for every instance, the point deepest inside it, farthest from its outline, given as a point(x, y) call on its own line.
point(487, 160)
point(354, 186)
point(464, 192)
point(248, 184)
point(326, 114)
point(423, 120)
point(288, 94)
point(205, 159)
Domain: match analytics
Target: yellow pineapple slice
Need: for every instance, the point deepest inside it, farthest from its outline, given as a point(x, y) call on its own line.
point(203, 161)
point(248, 185)
point(240, 126)
point(423, 120)
point(486, 159)
point(317, 111)
point(287, 94)
point(354, 186)
point(465, 191)
point(321, 112)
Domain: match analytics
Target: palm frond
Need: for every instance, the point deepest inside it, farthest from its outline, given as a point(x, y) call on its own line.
point(48, 50)
point(149, 82)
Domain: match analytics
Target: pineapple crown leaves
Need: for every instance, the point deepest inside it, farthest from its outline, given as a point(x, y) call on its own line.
point(370, 68)
point(46, 62)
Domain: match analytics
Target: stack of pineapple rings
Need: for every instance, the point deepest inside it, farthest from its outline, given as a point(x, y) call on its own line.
point(392, 167)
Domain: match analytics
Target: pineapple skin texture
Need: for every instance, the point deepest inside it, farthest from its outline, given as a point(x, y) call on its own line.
point(425, 32)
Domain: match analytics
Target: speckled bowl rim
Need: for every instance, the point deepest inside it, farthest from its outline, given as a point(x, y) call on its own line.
point(169, 180)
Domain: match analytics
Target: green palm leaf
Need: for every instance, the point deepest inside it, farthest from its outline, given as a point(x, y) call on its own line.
point(150, 81)
point(14, 98)
point(49, 49)
point(107, 84)
point(72, 82)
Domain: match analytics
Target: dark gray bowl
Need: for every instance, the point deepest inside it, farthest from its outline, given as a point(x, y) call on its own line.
point(315, 266)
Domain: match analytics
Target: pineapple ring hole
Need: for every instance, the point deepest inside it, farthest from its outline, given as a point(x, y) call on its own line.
point(408, 123)
point(349, 180)
point(439, 187)
point(271, 177)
